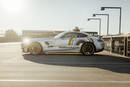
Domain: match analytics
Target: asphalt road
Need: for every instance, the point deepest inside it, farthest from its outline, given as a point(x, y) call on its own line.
point(61, 70)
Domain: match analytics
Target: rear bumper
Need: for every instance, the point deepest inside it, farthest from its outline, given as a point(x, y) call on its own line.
point(100, 50)
point(99, 47)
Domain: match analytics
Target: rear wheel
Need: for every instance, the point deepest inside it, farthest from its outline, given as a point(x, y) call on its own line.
point(35, 49)
point(87, 49)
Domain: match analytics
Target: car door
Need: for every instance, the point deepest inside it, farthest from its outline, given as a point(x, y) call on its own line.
point(63, 42)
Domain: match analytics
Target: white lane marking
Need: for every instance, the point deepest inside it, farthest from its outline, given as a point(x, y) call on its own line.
point(11, 43)
point(78, 63)
point(66, 81)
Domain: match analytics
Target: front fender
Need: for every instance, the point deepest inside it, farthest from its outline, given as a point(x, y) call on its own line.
point(43, 44)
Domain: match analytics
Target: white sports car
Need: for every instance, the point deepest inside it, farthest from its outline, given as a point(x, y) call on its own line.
point(64, 42)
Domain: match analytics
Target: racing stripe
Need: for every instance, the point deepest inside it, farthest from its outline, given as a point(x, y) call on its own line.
point(71, 41)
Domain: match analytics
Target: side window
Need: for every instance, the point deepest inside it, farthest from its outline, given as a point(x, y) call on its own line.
point(69, 35)
point(80, 35)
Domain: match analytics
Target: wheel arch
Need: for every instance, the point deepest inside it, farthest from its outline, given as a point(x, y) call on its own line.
point(37, 43)
point(88, 42)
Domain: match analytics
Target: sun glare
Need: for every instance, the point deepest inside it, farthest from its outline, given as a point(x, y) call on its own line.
point(12, 5)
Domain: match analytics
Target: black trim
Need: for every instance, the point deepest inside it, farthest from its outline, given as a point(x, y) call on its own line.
point(100, 50)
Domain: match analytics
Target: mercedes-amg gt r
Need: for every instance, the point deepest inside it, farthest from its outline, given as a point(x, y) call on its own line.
point(64, 42)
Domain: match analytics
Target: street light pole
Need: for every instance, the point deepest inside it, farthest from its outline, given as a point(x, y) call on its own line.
point(120, 18)
point(120, 21)
point(94, 15)
point(99, 23)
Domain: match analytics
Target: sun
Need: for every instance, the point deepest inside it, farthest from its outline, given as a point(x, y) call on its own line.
point(12, 5)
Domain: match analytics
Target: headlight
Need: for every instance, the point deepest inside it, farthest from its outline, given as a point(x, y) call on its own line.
point(26, 41)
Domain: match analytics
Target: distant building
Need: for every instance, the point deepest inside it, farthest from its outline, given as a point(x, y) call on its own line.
point(39, 33)
point(2, 39)
point(44, 34)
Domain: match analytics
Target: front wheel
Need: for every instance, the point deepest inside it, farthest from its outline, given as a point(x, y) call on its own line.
point(87, 49)
point(35, 48)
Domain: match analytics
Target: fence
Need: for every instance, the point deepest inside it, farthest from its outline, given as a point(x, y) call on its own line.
point(128, 46)
point(119, 44)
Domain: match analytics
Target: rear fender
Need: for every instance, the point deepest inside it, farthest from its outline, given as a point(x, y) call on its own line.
point(79, 42)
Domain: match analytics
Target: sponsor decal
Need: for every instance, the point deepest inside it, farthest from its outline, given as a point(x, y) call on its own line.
point(90, 40)
point(71, 41)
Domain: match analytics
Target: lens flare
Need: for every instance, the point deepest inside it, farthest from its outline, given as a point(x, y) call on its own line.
point(26, 41)
point(12, 5)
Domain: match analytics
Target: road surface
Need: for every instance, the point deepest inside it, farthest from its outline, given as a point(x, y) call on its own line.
point(61, 70)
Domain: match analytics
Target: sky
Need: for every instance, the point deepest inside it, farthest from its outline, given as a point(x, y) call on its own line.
point(62, 15)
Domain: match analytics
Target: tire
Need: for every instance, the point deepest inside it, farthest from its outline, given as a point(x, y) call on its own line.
point(87, 49)
point(35, 48)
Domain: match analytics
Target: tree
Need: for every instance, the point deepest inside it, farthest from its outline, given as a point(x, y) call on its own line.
point(11, 35)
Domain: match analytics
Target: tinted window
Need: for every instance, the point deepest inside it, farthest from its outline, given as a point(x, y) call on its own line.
point(69, 35)
point(80, 35)
point(74, 35)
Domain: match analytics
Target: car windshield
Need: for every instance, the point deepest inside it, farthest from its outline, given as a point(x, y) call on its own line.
point(59, 35)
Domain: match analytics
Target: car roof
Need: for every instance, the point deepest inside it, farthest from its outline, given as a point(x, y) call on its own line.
point(57, 36)
point(76, 32)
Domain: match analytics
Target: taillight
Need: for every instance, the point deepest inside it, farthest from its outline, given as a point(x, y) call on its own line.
point(100, 40)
